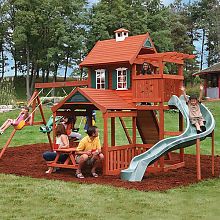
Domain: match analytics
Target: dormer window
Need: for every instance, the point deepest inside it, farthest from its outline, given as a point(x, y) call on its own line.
point(122, 78)
point(100, 79)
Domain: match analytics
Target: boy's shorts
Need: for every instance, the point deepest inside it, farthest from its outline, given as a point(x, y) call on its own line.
point(198, 120)
point(90, 161)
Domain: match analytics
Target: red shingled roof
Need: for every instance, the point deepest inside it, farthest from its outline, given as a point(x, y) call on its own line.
point(121, 29)
point(212, 69)
point(102, 99)
point(110, 51)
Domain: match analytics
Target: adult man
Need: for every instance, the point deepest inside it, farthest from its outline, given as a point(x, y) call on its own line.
point(89, 151)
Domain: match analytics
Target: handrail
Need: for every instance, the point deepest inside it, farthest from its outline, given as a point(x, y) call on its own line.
point(62, 84)
point(158, 76)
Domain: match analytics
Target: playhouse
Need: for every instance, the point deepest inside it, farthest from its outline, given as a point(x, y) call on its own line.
point(117, 87)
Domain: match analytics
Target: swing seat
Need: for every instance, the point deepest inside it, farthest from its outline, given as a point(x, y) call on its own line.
point(93, 122)
point(20, 125)
point(46, 129)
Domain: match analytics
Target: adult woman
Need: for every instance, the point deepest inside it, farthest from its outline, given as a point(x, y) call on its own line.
point(146, 69)
point(62, 141)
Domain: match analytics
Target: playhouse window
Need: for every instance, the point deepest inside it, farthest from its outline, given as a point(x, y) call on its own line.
point(100, 79)
point(121, 78)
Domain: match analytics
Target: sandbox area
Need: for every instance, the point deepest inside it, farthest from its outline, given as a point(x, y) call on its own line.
point(27, 161)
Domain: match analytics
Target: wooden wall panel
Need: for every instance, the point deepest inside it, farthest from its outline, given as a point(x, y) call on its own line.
point(146, 90)
point(171, 87)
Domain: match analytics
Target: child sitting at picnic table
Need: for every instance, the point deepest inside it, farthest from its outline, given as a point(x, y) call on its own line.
point(195, 114)
point(23, 115)
point(71, 131)
point(62, 141)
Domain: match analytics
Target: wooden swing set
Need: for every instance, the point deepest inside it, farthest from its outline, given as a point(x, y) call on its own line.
point(35, 103)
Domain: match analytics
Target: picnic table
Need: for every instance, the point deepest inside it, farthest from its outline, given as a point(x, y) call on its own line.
point(69, 163)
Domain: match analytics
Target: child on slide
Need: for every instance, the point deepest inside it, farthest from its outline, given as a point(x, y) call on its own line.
point(24, 114)
point(195, 114)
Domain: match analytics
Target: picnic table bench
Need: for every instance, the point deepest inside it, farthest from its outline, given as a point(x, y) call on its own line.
point(69, 163)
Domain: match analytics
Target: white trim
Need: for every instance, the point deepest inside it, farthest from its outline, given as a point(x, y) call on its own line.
point(101, 71)
point(120, 36)
point(122, 69)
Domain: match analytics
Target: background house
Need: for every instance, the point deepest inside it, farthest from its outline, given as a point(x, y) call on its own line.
point(211, 78)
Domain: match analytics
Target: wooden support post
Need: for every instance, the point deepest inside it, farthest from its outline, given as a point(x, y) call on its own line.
point(33, 97)
point(213, 154)
point(134, 69)
point(33, 101)
point(112, 131)
point(181, 129)
point(105, 147)
point(161, 68)
point(33, 112)
point(7, 143)
point(89, 117)
point(134, 73)
point(54, 130)
point(198, 163)
point(134, 131)
point(206, 85)
point(180, 82)
point(161, 129)
point(161, 161)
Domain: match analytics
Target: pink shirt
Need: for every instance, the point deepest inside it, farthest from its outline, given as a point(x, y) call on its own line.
point(18, 119)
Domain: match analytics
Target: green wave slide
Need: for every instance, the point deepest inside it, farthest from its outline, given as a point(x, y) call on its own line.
point(139, 164)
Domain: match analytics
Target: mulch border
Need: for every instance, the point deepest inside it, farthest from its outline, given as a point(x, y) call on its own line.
point(27, 160)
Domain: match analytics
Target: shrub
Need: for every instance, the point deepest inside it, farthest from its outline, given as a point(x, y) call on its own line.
point(7, 91)
point(193, 90)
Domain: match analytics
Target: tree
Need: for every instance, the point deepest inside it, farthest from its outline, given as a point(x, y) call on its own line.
point(40, 31)
point(3, 31)
point(206, 18)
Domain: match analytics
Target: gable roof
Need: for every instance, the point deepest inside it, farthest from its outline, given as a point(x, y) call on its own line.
point(102, 99)
point(111, 51)
point(121, 29)
point(212, 69)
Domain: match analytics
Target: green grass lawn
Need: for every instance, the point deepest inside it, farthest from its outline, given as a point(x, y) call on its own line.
point(29, 198)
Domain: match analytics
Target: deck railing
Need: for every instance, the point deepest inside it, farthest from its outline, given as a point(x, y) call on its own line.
point(156, 88)
point(119, 157)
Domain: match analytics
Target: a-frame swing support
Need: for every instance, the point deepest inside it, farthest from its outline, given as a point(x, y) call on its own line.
point(33, 101)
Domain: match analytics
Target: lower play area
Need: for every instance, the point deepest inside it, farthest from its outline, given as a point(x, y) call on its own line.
point(33, 166)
